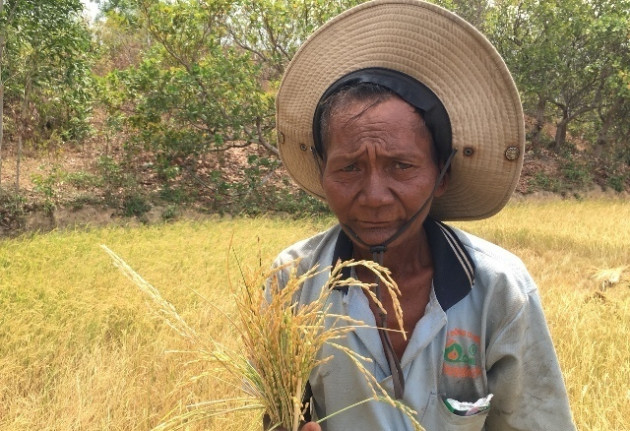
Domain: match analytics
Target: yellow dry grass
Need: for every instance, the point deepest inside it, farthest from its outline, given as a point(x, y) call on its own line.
point(79, 348)
point(566, 245)
point(278, 341)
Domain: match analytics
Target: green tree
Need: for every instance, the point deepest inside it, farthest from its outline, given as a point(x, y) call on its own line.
point(560, 56)
point(474, 11)
point(44, 56)
point(7, 16)
point(613, 28)
point(204, 82)
point(207, 80)
point(121, 40)
point(190, 92)
point(272, 30)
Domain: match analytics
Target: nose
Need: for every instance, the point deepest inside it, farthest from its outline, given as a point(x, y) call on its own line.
point(375, 190)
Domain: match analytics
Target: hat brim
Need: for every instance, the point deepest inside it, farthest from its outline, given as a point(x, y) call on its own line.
point(445, 53)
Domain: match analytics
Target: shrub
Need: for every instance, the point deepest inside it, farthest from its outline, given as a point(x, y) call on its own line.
point(12, 210)
point(135, 204)
point(577, 174)
point(617, 182)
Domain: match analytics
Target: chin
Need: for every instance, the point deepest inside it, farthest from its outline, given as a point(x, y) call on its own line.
point(373, 236)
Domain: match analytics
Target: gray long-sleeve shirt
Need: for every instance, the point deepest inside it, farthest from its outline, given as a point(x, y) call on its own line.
point(483, 332)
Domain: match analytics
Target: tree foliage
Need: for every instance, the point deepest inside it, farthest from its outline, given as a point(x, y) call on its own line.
point(207, 80)
point(45, 53)
point(181, 81)
point(569, 58)
point(207, 77)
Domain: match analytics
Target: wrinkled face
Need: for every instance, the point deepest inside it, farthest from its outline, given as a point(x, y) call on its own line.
point(379, 169)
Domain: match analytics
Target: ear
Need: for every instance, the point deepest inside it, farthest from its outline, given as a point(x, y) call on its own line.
point(441, 188)
point(319, 162)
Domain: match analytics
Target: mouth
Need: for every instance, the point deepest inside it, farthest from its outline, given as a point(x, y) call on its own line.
point(375, 224)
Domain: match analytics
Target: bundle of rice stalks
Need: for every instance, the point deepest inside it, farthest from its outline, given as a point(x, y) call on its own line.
point(280, 343)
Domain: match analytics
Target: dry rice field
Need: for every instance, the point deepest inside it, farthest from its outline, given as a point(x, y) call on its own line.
point(81, 350)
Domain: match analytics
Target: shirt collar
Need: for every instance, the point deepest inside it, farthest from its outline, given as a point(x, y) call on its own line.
point(454, 270)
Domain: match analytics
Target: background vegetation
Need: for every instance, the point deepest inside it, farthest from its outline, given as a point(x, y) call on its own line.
point(171, 103)
point(81, 350)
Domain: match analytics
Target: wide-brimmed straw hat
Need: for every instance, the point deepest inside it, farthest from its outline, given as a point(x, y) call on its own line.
point(441, 51)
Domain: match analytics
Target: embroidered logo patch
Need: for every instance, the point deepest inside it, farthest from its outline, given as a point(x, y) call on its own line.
point(461, 355)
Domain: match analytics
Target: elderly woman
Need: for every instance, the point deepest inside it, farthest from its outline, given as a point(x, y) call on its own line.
point(401, 116)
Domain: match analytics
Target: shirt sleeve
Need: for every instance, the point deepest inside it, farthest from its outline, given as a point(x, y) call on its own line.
point(525, 377)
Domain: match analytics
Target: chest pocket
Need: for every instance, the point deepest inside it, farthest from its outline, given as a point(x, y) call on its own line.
point(439, 418)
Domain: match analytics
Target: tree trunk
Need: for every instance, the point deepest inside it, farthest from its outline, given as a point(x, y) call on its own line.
point(602, 143)
point(540, 122)
point(23, 113)
point(608, 119)
point(17, 163)
point(1, 99)
point(561, 135)
point(561, 129)
point(1, 118)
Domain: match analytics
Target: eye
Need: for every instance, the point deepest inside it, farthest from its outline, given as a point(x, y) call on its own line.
point(350, 168)
point(402, 165)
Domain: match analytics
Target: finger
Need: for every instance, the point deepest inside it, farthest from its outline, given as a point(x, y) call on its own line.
point(311, 426)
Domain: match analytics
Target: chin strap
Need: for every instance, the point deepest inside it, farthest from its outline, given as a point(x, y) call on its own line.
point(378, 252)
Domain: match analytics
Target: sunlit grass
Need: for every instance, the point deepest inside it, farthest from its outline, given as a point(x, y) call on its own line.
point(80, 349)
point(278, 341)
point(568, 247)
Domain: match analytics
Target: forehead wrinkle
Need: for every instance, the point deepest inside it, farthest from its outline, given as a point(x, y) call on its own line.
point(373, 130)
point(370, 134)
point(374, 135)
